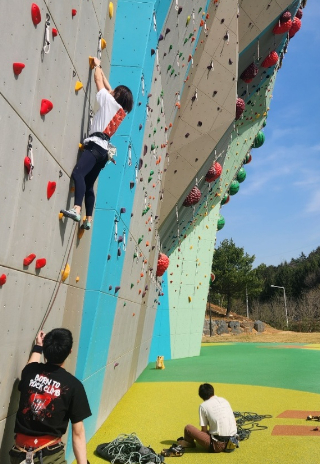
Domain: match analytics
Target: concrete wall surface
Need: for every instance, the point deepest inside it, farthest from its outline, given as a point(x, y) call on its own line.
point(183, 63)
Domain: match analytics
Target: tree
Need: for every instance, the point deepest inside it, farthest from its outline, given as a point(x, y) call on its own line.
point(233, 272)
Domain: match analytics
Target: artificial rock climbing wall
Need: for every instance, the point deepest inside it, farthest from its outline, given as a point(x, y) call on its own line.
point(183, 61)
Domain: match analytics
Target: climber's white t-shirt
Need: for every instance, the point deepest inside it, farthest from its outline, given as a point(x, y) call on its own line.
point(107, 119)
point(216, 412)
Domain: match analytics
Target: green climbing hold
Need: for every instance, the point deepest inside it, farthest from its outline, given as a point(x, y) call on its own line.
point(221, 222)
point(154, 130)
point(259, 140)
point(241, 175)
point(170, 47)
point(124, 304)
point(169, 67)
point(185, 41)
point(153, 147)
point(140, 240)
point(264, 123)
point(158, 102)
point(149, 179)
point(234, 187)
point(199, 9)
point(180, 55)
point(132, 285)
point(172, 71)
point(151, 173)
point(190, 35)
point(158, 120)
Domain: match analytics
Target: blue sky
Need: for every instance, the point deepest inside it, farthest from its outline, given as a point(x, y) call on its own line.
point(276, 214)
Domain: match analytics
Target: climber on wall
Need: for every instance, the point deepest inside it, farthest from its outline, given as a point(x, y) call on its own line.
point(49, 397)
point(114, 105)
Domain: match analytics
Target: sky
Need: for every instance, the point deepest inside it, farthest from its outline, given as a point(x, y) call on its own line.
point(276, 213)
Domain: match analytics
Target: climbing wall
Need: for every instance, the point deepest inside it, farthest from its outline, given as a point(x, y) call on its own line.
point(183, 61)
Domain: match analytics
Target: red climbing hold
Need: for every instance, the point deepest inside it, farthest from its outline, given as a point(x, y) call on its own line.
point(27, 164)
point(35, 14)
point(271, 60)
point(296, 25)
point(249, 73)
point(50, 189)
point(282, 27)
point(54, 32)
point(73, 12)
point(162, 265)
point(17, 68)
point(116, 289)
point(28, 260)
point(214, 172)
point(3, 279)
point(193, 197)
point(240, 107)
point(41, 263)
point(46, 106)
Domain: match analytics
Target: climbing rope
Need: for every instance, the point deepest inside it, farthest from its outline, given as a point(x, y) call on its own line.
point(247, 422)
point(128, 449)
point(57, 285)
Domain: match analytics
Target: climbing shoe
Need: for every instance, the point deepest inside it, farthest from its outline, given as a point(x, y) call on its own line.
point(86, 225)
point(71, 213)
point(174, 451)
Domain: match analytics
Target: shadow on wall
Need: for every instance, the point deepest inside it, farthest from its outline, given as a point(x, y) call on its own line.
point(8, 434)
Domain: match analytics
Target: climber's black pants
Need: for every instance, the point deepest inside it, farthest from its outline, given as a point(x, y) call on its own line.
point(85, 173)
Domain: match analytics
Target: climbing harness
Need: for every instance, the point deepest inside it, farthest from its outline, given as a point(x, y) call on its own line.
point(128, 449)
point(247, 422)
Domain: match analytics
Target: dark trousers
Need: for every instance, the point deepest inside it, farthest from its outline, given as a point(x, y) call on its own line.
point(85, 173)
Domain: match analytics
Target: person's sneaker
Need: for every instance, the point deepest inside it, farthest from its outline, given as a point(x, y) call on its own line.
point(86, 225)
point(71, 213)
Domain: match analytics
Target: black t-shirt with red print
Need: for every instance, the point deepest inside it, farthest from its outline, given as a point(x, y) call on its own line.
point(50, 397)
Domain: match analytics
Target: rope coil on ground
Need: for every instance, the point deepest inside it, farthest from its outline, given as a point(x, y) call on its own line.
point(249, 420)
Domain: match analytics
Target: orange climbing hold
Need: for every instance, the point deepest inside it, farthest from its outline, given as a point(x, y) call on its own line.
point(178, 105)
point(91, 62)
point(78, 86)
point(18, 67)
point(46, 106)
point(201, 23)
point(35, 14)
point(65, 273)
point(103, 43)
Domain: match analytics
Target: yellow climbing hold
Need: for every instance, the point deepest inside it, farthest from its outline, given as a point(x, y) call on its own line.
point(77, 279)
point(60, 216)
point(65, 273)
point(188, 20)
point(78, 86)
point(110, 10)
point(189, 299)
point(103, 43)
point(91, 62)
point(81, 147)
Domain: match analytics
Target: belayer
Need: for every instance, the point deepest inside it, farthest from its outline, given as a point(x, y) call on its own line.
point(114, 105)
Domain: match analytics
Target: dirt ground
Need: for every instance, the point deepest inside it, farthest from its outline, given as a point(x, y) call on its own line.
point(270, 334)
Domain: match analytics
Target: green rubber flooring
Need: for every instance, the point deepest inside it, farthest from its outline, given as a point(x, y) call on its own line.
point(262, 364)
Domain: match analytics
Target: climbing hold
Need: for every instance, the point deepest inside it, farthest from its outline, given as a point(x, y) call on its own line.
point(46, 106)
point(119, 251)
point(73, 12)
point(225, 199)
point(28, 260)
point(201, 23)
point(179, 9)
point(78, 86)
point(162, 265)
point(65, 273)
point(147, 244)
point(153, 51)
point(61, 216)
point(116, 289)
point(18, 67)
point(54, 32)
point(110, 287)
point(214, 172)
point(284, 24)
point(109, 257)
point(189, 299)
point(240, 107)
point(296, 25)
point(188, 20)
point(27, 164)
point(247, 159)
point(249, 73)
point(91, 62)
point(193, 197)
point(3, 279)
point(221, 222)
point(270, 60)
point(132, 285)
point(140, 240)
point(167, 31)
point(41, 263)
point(241, 175)
point(77, 279)
point(51, 189)
point(103, 43)
point(131, 185)
point(234, 187)
point(35, 14)
point(160, 37)
point(299, 13)
point(110, 10)
point(259, 140)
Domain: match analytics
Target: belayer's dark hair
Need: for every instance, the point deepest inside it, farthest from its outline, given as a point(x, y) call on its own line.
point(206, 391)
point(57, 345)
point(123, 95)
